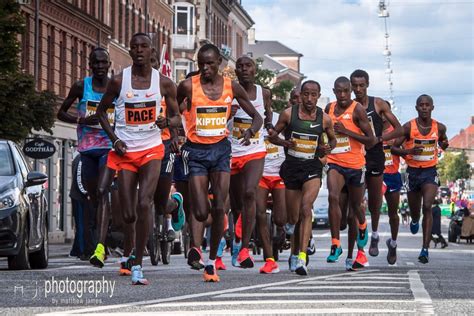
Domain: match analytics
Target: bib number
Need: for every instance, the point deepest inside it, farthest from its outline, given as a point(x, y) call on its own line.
point(343, 144)
point(91, 109)
point(240, 126)
point(211, 120)
point(429, 148)
point(305, 145)
point(140, 116)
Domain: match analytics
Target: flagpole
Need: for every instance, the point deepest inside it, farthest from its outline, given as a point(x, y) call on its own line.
point(163, 51)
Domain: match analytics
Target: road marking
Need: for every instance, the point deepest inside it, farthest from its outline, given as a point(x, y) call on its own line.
point(230, 295)
point(410, 264)
point(335, 287)
point(371, 278)
point(190, 296)
point(353, 281)
point(422, 297)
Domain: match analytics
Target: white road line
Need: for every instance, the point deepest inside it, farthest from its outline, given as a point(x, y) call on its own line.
point(272, 302)
point(331, 287)
point(372, 278)
point(288, 294)
point(422, 297)
point(353, 281)
point(410, 264)
point(189, 296)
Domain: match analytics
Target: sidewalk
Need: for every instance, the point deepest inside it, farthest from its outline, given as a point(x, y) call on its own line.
point(59, 250)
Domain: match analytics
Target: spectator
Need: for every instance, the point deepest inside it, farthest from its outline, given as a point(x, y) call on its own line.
point(437, 237)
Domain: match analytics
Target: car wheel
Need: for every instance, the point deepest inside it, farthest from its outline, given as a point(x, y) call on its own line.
point(20, 261)
point(451, 234)
point(39, 259)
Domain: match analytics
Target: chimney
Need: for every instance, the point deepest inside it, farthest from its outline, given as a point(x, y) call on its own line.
point(251, 36)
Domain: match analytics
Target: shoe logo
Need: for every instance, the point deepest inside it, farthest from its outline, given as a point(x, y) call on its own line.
point(346, 116)
point(228, 99)
point(313, 126)
point(149, 95)
point(312, 175)
point(150, 155)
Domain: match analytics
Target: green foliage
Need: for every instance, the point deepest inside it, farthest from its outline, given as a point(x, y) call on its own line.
point(22, 107)
point(454, 166)
point(263, 77)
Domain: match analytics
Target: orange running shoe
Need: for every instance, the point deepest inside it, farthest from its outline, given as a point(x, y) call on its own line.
point(238, 227)
point(220, 264)
point(270, 266)
point(244, 258)
point(360, 261)
point(210, 274)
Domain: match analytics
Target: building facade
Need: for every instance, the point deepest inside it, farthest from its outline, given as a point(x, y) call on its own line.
point(57, 53)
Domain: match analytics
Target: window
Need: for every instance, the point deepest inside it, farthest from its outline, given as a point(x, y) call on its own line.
point(181, 68)
point(6, 167)
point(184, 19)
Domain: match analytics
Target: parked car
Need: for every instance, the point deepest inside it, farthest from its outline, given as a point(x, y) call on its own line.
point(23, 210)
point(321, 209)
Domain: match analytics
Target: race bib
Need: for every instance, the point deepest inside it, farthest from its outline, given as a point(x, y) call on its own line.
point(343, 144)
point(305, 145)
point(91, 109)
point(388, 155)
point(240, 126)
point(211, 120)
point(140, 116)
point(272, 150)
point(429, 148)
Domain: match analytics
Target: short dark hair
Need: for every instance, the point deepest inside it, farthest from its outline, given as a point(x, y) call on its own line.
point(341, 79)
point(207, 47)
point(418, 100)
point(359, 73)
point(192, 74)
point(98, 49)
point(246, 57)
point(311, 81)
point(140, 34)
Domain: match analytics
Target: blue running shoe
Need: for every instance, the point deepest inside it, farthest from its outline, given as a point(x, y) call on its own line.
point(423, 257)
point(235, 253)
point(293, 261)
point(178, 217)
point(362, 238)
point(220, 249)
point(414, 227)
point(334, 255)
point(137, 276)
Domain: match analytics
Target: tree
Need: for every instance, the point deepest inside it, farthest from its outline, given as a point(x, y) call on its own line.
point(454, 166)
point(22, 107)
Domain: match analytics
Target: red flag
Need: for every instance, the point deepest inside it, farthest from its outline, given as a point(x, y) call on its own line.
point(165, 62)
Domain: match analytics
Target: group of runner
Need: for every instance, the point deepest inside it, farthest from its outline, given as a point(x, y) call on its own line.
point(230, 151)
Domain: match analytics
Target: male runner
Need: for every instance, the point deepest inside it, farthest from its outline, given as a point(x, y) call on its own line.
point(138, 148)
point(207, 149)
point(303, 126)
point(376, 108)
point(295, 98)
point(422, 137)
point(94, 145)
point(247, 160)
point(347, 162)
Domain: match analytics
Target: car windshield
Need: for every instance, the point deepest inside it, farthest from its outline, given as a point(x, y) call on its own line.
point(6, 162)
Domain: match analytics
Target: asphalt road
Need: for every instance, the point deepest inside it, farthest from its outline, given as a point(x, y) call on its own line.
point(443, 286)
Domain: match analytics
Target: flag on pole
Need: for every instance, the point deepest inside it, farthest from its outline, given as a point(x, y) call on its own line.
point(165, 62)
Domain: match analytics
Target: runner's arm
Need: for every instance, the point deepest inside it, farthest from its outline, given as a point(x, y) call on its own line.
point(76, 92)
point(360, 119)
point(241, 96)
point(184, 92)
point(397, 148)
point(112, 92)
point(283, 122)
point(168, 90)
point(386, 111)
point(443, 139)
point(267, 102)
point(329, 130)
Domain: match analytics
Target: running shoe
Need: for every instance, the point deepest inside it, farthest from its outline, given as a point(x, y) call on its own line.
point(244, 259)
point(311, 247)
point(349, 264)
point(414, 227)
point(301, 268)
point(392, 252)
point(362, 238)
point(334, 255)
point(210, 274)
point(238, 227)
point(292, 261)
point(290, 228)
point(137, 276)
point(423, 257)
point(97, 259)
point(235, 253)
point(269, 267)
point(374, 246)
point(220, 249)
point(360, 261)
point(220, 264)
point(195, 259)
point(126, 266)
point(178, 217)
point(170, 235)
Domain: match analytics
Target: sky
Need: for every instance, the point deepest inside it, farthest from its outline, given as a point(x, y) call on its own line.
point(431, 41)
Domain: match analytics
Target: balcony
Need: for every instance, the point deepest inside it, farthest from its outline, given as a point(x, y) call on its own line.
point(183, 41)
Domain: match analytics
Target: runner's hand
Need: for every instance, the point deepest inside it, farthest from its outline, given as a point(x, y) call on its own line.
point(444, 144)
point(246, 135)
point(417, 150)
point(90, 120)
point(162, 122)
point(233, 109)
point(120, 148)
point(289, 143)
point(339, 128)
point(174, 145)
point(324, 150)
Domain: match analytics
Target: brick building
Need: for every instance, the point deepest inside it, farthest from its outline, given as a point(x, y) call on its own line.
point(68, 31)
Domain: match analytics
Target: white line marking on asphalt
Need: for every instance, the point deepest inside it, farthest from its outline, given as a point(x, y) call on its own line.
point(333, 287)
point(189, 296)
point(353, 281)
point(410, 264)
point(422, 297)
point(371, 278)
point(230, 295)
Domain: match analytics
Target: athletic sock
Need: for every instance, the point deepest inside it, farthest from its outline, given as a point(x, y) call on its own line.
point(211, 262)
point(302, 256)
point(170, 226)
point(363, 225)
point(375, 235)
point(336, 242)
point(123, 259)
point(393, 243)
point(270, 259)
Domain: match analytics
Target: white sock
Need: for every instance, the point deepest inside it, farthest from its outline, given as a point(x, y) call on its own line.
point(211, 262)
point(375, 235)
point(170, 227)
point(123, 259)
point(393, 243)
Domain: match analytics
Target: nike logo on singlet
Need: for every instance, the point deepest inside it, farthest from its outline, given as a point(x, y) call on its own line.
point(313, 126)
point(149, 95)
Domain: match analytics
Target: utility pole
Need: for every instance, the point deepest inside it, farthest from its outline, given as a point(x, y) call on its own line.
point(37, 52)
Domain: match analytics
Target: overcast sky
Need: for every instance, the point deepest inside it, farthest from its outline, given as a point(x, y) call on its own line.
point(432, 48)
